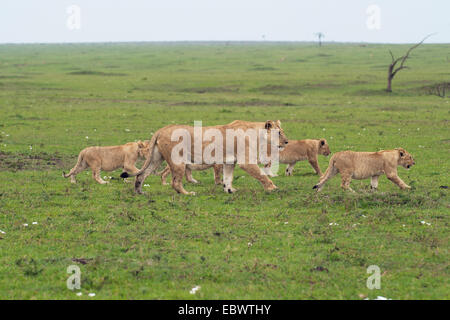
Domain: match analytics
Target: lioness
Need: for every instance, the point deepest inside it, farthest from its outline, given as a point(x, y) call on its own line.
point(298, 150)
point(161, 147)
point(363, 165)
point(197, 167)
point(109, 159)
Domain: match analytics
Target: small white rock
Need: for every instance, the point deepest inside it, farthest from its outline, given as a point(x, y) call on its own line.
point(91, 294)
point(194, 289)
point(79, 294)
point(34, 222)
point(2, 232)
point(25, 224)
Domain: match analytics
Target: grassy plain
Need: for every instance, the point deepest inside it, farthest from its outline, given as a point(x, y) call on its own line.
point(289, 244)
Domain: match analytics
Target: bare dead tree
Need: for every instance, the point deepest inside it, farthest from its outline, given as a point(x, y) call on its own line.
point(392, 70)
point(320, 35)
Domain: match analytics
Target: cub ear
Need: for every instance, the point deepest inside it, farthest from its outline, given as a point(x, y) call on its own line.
point(322, 142)
point(279, 123)
point(140, 144)
point(268, 125)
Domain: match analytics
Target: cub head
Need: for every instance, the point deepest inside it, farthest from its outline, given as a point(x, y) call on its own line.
point(324, 148)
point(405, 159)
point(276, 125)
point(143, 148)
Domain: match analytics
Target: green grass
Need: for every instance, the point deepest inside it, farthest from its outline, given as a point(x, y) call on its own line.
point(289, 244)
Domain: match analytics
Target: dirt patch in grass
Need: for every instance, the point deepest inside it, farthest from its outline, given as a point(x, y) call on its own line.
point(39, 161)
point(109, 100)
point(293, 89)
point(262, 69)
point(212, 89)
point(244, 103)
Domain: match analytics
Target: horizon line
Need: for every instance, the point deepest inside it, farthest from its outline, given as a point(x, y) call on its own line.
point(211, 41)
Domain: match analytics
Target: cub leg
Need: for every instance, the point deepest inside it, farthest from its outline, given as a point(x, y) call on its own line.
point(313, 162)
point(255, 172)
point(346, 179)
point(374, 182)
point(290, 169)
point(330, 173)
point(75, 170)
point(131, 169)
point(96, 174)
point(399, 182)
point(228, 170)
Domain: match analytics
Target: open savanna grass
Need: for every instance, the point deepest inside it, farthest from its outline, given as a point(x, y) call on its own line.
point(289, 244)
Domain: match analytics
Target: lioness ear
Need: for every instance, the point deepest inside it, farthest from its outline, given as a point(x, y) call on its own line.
point(279, 123)
point(322, 142)
point(268, 125)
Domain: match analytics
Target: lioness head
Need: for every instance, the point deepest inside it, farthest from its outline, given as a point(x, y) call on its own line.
point(276, 125)
point(324, 148)
point(143, 148)
point(405, 159)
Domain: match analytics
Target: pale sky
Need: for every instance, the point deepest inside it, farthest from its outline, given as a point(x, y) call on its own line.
point(390, 21)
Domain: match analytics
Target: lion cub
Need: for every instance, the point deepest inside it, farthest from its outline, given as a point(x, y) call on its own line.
point(109, 159)
point(363, 165)
point(299, 150)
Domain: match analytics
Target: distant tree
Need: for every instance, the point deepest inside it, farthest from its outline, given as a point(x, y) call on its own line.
point(319, 36)
point(392, 70)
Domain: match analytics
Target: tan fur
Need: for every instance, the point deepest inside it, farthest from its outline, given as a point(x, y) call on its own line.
point(161, 149)
point(109, 159)
point(299, 150)
point(364, 165)
point(193, 167)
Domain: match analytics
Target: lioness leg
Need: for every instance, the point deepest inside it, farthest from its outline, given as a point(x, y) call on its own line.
point(228, 170)
point(164, 175)
point(399, 182)
point(189, 177)
point(346, 179)
point(313, 162)
point(374, 182)
point(289, 169)
point(178, 172)
point(255, 172)
point(268, 170)
point(218, 168)
point(155, 162)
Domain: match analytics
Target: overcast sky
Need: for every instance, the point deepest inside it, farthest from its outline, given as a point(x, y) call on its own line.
point(393, 21)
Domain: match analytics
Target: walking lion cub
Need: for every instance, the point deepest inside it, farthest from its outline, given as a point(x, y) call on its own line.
point(109, 159)
point(363, 165)
point(299, 150)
